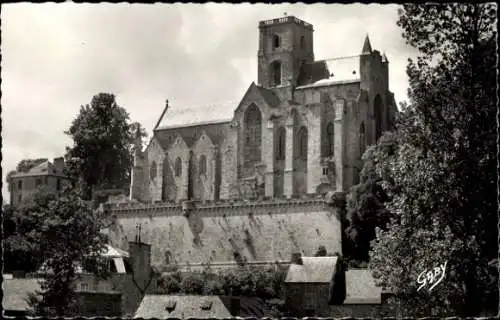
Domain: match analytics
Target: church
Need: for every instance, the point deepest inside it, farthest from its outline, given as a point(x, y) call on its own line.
point(297, 134)
point(301, 129)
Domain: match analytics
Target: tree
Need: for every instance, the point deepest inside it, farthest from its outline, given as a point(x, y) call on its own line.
point(22, 251)
point(26, 164)
point(321, 252)
point(55, 232)
point(103, 145)
point(443, 190)
point(366, 200)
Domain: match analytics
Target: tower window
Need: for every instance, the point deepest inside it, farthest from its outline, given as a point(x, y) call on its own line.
point(276, 41)
point(276, 73)
point(178, 167)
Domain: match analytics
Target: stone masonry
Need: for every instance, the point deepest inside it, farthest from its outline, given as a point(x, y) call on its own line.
point(299, 132)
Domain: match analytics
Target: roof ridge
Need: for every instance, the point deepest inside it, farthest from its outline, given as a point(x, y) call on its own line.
point(339, 58)
point(201, 105)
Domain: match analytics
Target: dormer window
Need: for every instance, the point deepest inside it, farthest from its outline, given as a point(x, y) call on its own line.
point(206, 305)
point(170, 305)
point(276, 41)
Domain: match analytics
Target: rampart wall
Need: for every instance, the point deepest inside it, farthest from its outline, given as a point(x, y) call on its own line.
point(228, 231)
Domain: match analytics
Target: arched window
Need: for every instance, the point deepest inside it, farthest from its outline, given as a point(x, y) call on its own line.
point(378, 110)
point(276, 41)
point(361, 139)
point(302, 143)
point(152, 170)
point(281, 143)
point(178, 167)
point(202, 168)
point(253, 125)
point(329, 140)
point(276, 73)
point(168, 257)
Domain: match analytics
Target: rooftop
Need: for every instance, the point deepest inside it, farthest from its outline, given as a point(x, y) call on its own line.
point(361, 288)
point(285, 19)
point(335, 71)
point(312, 270)
point(164, 306)
point(198, 115)
point(44, 168)
point(16, 293)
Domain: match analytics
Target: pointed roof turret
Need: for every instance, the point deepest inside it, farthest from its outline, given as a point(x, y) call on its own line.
point(384, 58)
point(367, 47)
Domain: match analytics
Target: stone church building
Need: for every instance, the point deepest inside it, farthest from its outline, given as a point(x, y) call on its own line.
point(297, 134)
point(301, 129)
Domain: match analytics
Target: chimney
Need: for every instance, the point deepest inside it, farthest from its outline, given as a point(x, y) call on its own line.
point(140, 259)
point(296, 258)
point(59, 164)
point(235, 306)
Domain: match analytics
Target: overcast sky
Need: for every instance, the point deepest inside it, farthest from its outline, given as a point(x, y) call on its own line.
point(55, 57)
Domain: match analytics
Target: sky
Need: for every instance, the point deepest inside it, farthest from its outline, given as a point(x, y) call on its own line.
point(56, 57)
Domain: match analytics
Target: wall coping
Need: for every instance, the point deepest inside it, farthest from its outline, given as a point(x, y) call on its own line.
point(313, 199)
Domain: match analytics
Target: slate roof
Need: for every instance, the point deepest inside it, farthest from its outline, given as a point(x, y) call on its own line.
point(361, 288)
point(312, 270)
point(196, 306)
point(190, 134)
point(311, 72)
point(44, 168)
point(114, 252)
point(270, 97)
point(197, 115)
point(16, 291)
point(330, 71)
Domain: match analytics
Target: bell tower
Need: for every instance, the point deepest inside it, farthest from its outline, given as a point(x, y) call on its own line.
point(284, 44)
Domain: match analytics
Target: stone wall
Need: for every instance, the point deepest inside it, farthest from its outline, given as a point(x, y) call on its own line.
point(253, 231)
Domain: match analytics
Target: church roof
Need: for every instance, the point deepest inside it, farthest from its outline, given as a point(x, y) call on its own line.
point(197, 115)
point(191, 133)
point(312, 72)
point(367, 47)
point(335, 71)
point(269, 95)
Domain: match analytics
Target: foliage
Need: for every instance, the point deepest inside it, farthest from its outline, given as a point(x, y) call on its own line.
point(102, 152)
point(443, 190)
point(54, 232)
point(249, 281)
point(366, 200)
point(26, 164)
point(321, 252)
point(21, 245)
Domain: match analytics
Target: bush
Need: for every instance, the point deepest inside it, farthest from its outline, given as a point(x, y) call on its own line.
point(246, 281)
